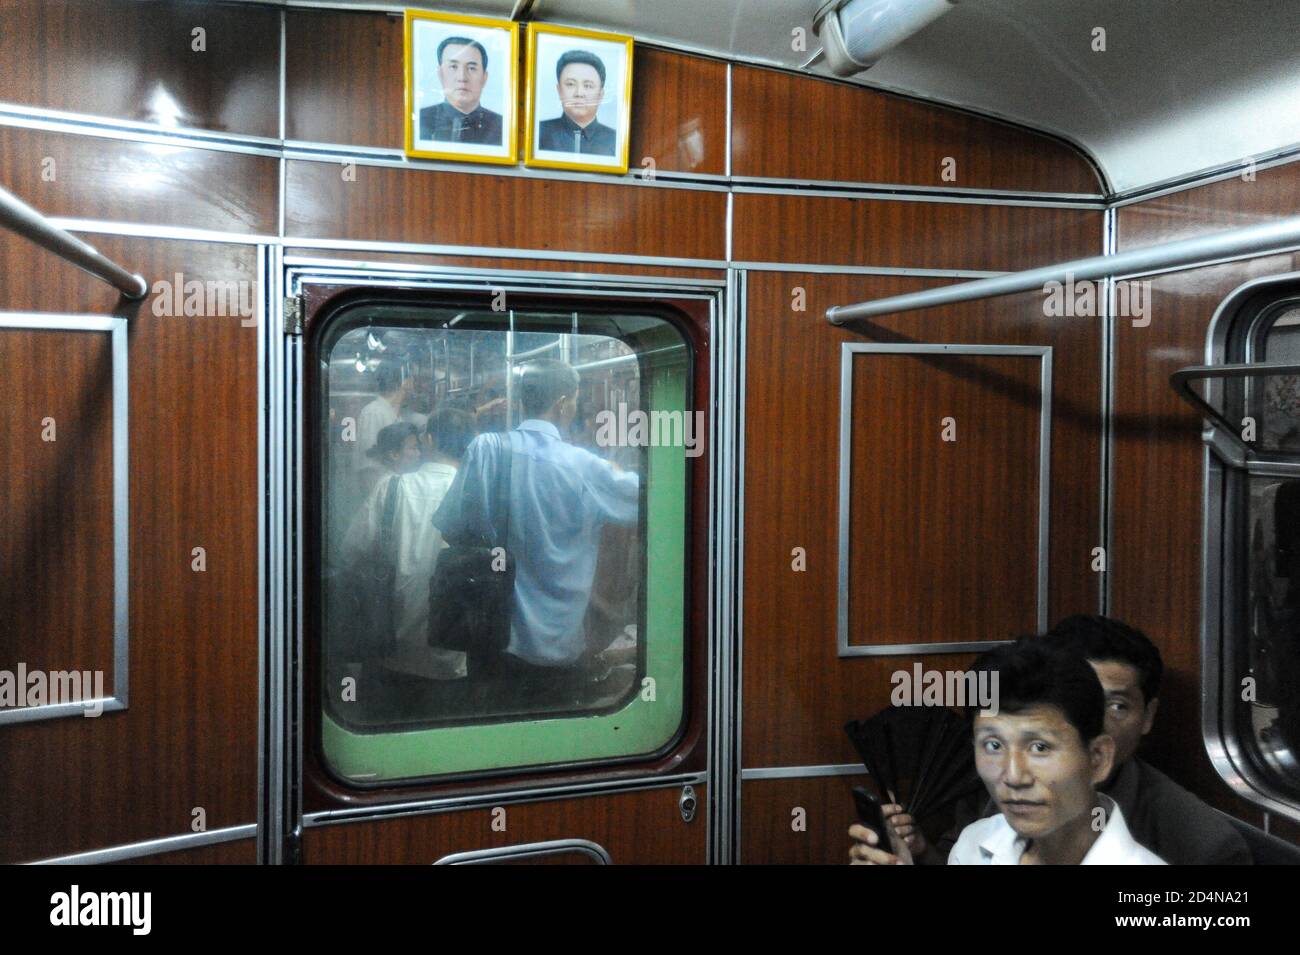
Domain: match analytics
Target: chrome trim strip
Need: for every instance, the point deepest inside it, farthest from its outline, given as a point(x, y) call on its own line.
point(116, 328)
point(1109, 354)
point(150, 847)
point(726, 133)
point(730, 227)
point(265, 702)
point(889, 192)
point(723, 536)
point(426, 807)
point(1268, 237)
point(1044, 486)
point(804, 772)
point(405, 268)
point(145, 230)
point(737, 706)
point(500, 253)
point(843, 597)
point(529, 850)
point(399, 161)
point(864, 270)
point(77, 124)
point(277, 593)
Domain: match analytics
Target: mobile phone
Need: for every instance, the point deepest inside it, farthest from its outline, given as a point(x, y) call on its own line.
point(871, 816)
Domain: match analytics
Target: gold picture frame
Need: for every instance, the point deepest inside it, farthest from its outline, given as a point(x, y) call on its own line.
point(485, 71)
point(592, 64)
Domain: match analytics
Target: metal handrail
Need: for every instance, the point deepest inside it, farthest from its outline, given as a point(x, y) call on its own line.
point(1270, 237)
point(27, 222)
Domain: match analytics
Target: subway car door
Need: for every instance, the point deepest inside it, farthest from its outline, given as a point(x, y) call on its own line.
point(491, 642)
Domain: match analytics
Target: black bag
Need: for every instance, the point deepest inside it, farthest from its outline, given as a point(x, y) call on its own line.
point(471, 592)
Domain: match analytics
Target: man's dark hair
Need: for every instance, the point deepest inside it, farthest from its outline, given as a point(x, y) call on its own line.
point(462, 41)
point(388, 378)
point(544, 382)
point(451, 430)
point(1035, 672)
point(580, 56)
point(390, 439)
point(1102, 638)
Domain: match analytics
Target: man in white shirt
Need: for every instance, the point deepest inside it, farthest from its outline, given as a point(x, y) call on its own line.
point(379, 414)
point(1041, 751)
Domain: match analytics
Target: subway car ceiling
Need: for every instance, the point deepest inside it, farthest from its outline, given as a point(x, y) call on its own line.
point(839, 410)
point(1155, 92)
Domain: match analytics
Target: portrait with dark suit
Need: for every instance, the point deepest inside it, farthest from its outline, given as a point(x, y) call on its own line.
point(580, 86)
point(460, 87)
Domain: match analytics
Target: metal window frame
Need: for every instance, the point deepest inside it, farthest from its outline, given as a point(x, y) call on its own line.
point(1225, 469)
point(848, 351)
point(285, 382)
point(116, 328)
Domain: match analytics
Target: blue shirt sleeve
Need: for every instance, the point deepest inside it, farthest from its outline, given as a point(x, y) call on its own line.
point(615, 495)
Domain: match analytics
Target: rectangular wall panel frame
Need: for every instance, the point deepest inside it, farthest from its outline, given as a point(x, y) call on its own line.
point(116, 329)
point(849, 350)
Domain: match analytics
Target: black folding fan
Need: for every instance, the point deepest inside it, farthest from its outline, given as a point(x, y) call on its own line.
point(921, 756)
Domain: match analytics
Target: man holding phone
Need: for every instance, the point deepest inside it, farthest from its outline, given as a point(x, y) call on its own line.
point(1041, 755)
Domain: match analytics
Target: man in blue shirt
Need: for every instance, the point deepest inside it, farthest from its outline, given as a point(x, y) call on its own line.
point(560, 496)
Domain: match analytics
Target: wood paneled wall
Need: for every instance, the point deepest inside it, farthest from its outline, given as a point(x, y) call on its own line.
point(513, 212)
point(57, 485)
point(86, 177)
point(1157, 493)
point(143, 61)
point(189, 738)
point(799, 127)
point(797, 692)
point(938, 235)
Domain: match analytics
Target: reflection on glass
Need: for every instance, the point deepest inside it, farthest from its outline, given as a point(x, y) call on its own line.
point(483, 543)
point(1272, 653)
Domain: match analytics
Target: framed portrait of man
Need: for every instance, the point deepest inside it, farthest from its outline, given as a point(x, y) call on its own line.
point(461, 88)
point(579, 99)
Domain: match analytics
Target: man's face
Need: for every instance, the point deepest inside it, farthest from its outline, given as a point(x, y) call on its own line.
point(1128, 715)
point(1037, 768)
point(580, 92)
point(463, 77)
point(408, 459)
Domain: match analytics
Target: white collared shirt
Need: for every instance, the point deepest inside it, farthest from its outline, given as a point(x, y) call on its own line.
point(992, 841)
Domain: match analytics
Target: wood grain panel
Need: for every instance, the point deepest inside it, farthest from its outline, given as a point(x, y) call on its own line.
point(917, 496)
point(795, 127)
point(343, 75)
point(679, 113)
point(639, 828)
point(768, 825)
point(1157, 500)
point(86, 177)
point(240, 852)
point(137, 61)
point(797, 693)
point(1228, 204)
point(189, 738)
point(526, 265)
point(935, 235)
point(56, 526)
point(473, 209)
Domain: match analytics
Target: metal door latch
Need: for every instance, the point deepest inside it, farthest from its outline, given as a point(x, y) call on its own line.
point(687, 803)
